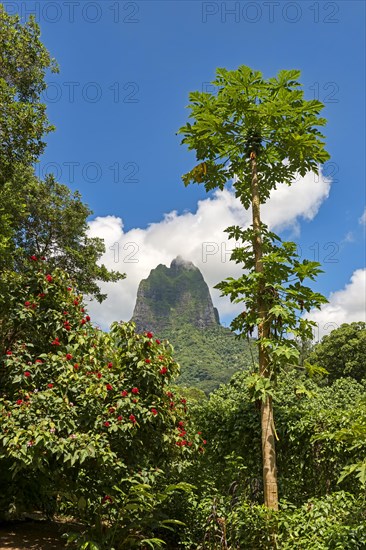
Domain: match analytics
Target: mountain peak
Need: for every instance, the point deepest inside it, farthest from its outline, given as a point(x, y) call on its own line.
point(180, 263)
point(174, 295)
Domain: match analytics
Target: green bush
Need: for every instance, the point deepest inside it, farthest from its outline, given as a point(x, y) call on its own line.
point(334, 522)
point(89, 424)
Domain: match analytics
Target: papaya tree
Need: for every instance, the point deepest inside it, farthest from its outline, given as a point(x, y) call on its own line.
point(252, 133)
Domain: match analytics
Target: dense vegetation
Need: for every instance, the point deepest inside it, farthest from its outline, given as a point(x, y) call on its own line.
point(92, 425)
point(211, 356)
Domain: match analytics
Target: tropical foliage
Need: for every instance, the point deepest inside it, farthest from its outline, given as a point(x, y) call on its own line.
point(93, 425)
point(90, 426)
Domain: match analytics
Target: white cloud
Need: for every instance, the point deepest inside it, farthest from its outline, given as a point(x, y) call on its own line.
point(345, 306)
point(362, 220)
point(196, 236)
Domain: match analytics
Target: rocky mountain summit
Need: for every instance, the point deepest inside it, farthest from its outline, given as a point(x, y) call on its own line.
point(173, 296)
point(175, 303)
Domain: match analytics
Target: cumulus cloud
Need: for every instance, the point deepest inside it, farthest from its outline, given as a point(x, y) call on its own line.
point(345, 306)
point(196, 236)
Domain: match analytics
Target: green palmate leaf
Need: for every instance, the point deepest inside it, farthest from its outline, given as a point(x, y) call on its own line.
point(315, 370)
point(359, 468)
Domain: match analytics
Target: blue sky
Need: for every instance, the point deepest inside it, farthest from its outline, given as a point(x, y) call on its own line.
point(126, 71)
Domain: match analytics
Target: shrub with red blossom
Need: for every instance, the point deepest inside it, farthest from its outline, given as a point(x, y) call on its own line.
point(101, 438)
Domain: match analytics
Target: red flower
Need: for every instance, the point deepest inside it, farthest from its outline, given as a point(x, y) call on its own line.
point(38, 361)
point(109, 387)
point(163, 370)
point(76, 302)
point(34, 306)
point(158, 341)
point(154, 412)
point(181, 423)
point(111, 410)
point(183, 442)
point(204, 442)
point(184, 401)
point(69, 288)
point(68, 356)
point(87, 317)
point(161, 357)
point(99, 375)
point(189, 443)
point(56, 342)
point(119, 418)
point(124, 393)
point(134, 400)
point(82, 310)
point(171, 404)
point(27, 304)
point(169, 394)
point(49, 385)
point(9, 352)
point(199, 433)
point(76, 366)
point(132, 418)
point(135, 390)
point(65, 313)
point(147, 360)
point(106, 498)
point(43, 258)
point(19, 401)
point(34, 258)
point(41, 295)
point(49, 278)
point(82, 321)
point(110, 365)
point(149, 334)
point(27, 373)
point(107, 424)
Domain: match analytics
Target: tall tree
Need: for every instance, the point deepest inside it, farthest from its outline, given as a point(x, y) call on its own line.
point(23, 121)
point(256, 133)
point(37, 218)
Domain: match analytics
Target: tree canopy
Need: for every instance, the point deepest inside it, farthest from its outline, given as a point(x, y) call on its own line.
point(23, 118)
point(246, 113)
point(343, 352)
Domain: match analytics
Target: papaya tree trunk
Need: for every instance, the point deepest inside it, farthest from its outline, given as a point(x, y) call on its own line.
point(267, 420)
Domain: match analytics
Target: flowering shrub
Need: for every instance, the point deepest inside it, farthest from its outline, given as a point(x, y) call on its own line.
point(89, 424)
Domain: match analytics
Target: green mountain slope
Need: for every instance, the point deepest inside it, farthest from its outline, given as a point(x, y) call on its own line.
point(209, 357)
